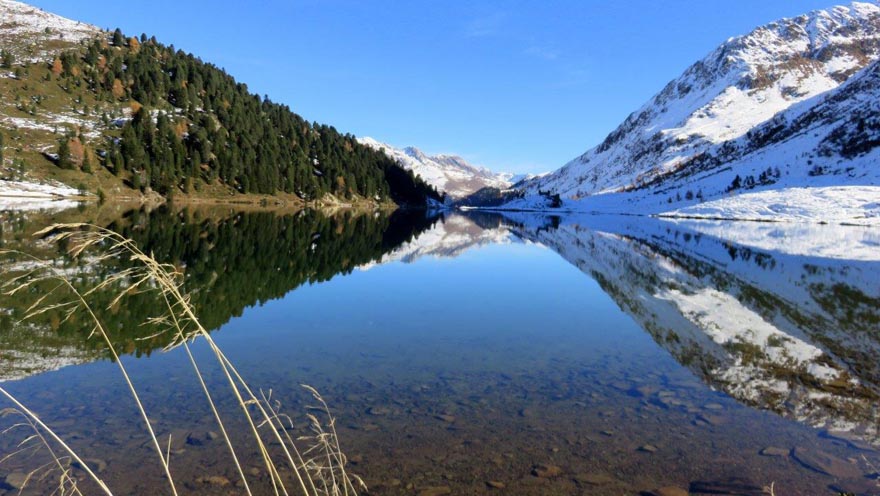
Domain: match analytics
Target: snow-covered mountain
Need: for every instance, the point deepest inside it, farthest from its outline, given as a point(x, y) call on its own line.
point(450, 174)
point(829, 144)
point(792, 104)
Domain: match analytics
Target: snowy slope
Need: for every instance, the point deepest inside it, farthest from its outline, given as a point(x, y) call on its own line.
point(716, 106)
point(25, 189)
point(819, 160)
point(36, 36)
point(448, 173)
point(33, 35)
point(26, 195)
point(28, 31)
point(839, 205)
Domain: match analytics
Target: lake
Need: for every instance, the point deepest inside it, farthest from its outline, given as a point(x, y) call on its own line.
point(475, 352)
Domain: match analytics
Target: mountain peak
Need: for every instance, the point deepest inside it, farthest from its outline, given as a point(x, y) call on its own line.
point(415, 153)
point(738, 86)
point(448, 173)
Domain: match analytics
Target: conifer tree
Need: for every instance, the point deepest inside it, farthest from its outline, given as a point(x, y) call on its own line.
point(86, 162)
point(118, 38)
point(6, 59)
point(64, 160)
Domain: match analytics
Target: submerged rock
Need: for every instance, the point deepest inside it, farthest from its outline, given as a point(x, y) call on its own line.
point(379, 411)
point(668, 491)
point(435, 491)
point(851, 439)
point(95, 464)
point(200, 439)
point(826, 463)
point(15, 480)
point(774, 451)
point(731, 487)
point(214, 480)
point(710, 419)
point(546, 471)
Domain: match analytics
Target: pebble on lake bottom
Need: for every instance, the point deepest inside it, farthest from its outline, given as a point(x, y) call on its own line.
point(546, 471)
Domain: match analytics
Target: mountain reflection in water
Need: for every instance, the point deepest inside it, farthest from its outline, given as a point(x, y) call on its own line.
point(231, 260)
point(792, 333)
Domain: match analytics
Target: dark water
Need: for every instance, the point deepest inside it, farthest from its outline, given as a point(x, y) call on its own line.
point(632, 353)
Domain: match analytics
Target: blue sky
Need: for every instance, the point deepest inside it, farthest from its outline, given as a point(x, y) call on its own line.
point(518, 86)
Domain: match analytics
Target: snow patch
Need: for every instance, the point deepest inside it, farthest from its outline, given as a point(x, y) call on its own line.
point(23, 27)
point(839, 205)
point(24, 195)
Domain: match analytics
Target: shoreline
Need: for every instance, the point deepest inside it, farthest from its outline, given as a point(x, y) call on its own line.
point(259, 202)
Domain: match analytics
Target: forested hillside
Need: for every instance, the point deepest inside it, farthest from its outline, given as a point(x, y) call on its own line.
point(159, 119)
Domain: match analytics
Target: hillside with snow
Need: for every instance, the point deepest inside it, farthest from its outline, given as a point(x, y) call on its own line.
point(36, 35)
point(450, 174)
point(743, 132)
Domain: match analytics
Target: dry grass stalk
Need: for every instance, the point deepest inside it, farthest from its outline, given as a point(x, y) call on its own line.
point(319, 469)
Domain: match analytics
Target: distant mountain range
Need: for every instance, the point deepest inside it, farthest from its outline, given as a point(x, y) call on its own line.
point(791, 105)
point(448, 173)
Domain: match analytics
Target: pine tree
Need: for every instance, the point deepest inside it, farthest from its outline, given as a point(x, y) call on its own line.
point(136, 181)
point(64, 160)
point(86, 162)
point(6, 59)
point(118, 38)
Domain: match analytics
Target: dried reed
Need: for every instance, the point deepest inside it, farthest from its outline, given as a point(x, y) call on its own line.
point(315, 460)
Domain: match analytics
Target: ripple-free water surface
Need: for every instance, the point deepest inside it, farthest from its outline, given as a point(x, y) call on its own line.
point(631, 353)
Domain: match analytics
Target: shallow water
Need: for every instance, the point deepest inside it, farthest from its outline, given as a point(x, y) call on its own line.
point(631, 353)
